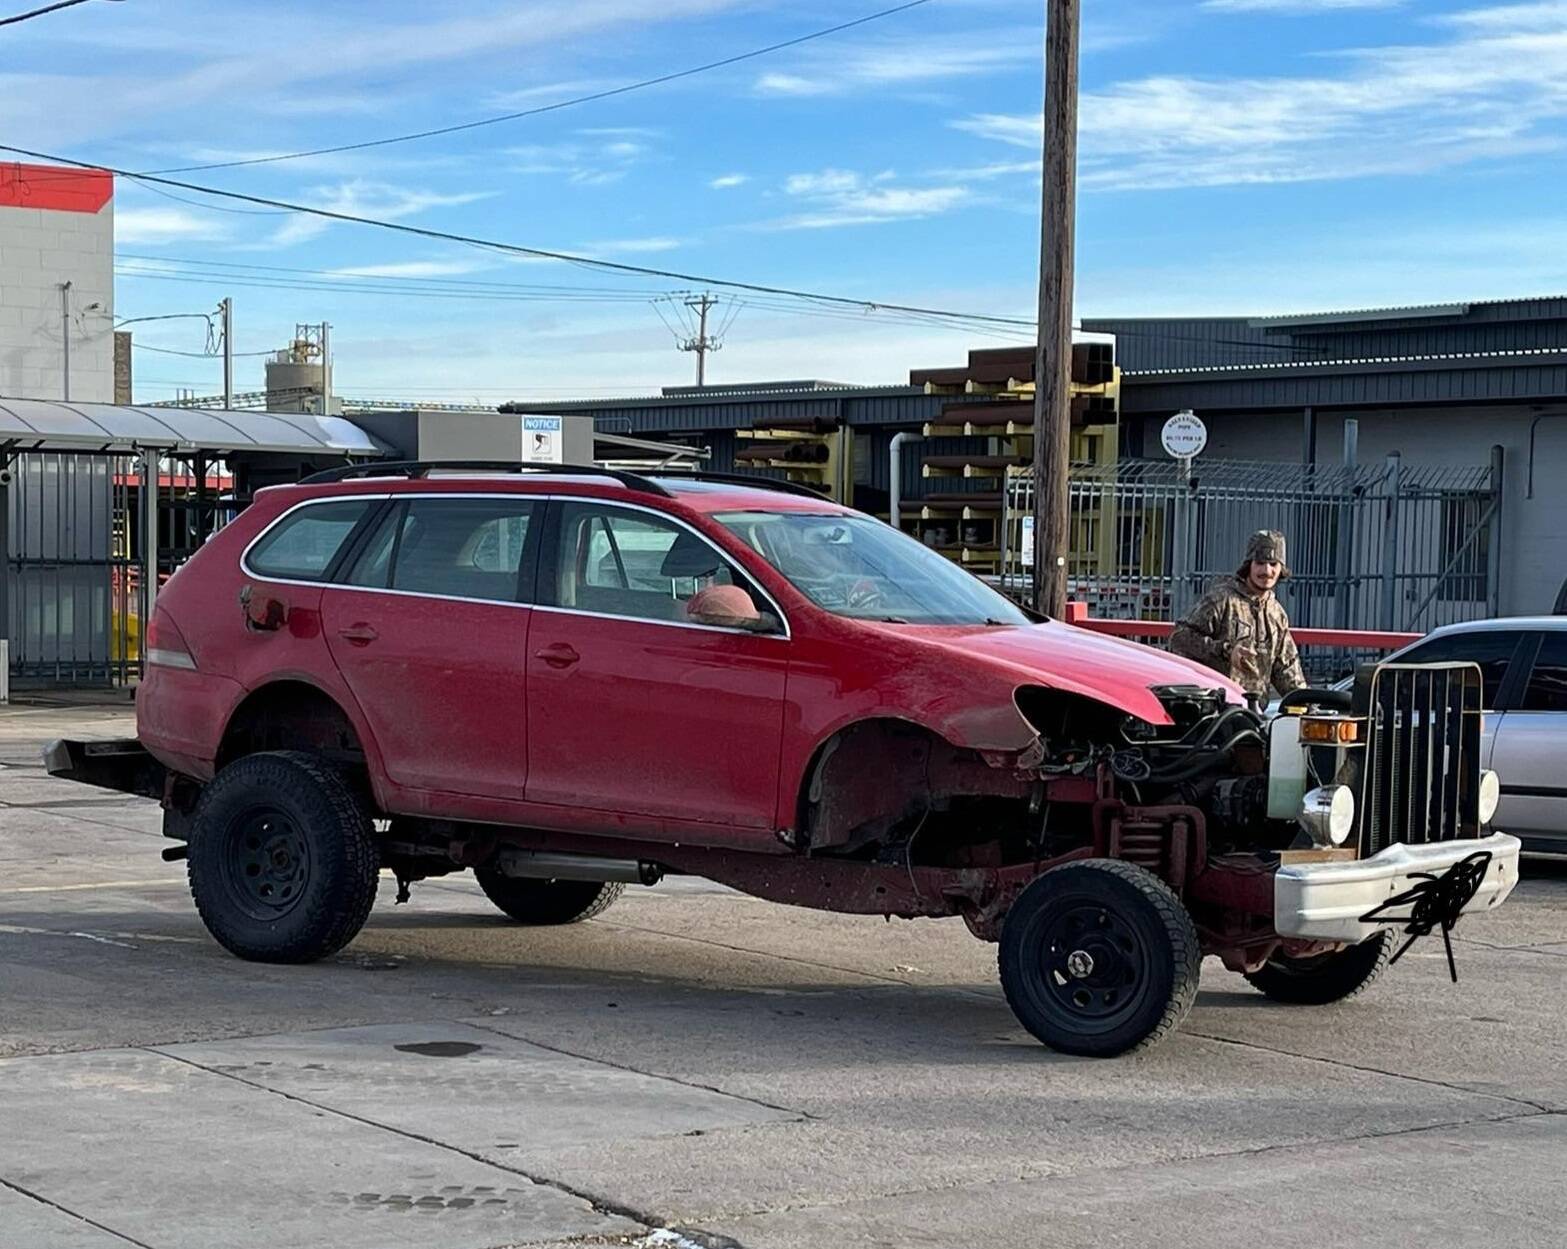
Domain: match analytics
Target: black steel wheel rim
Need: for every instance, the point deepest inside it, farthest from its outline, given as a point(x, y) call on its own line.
point(266, 867)
point(1096, 967)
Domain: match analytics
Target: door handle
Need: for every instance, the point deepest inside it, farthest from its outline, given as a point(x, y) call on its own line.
point(558, 655)
point(358, 634)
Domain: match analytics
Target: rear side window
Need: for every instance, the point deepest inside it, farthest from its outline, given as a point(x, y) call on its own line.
point(302, 545)
point(455, 548)
point(1547, 690)
point(1492, 650)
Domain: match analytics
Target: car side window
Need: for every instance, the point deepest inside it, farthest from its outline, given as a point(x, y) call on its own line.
point(1493, 650)
point(456, 548)
point(1547, 688)
point(615, 562)
point(302, 546)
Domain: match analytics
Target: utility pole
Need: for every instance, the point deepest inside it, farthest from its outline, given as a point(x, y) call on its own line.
point(326, 368)
point(65, 339)
point(1053, 359)
point(226, 311)
point(701, 344)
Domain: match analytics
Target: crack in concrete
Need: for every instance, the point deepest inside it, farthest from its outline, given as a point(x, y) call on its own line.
point(1142, 1166)
point(69, 1213)
point(1378, 1071)
point(599, 1204)
point(874, 977)
point(1538, 948)
point(802, 1116)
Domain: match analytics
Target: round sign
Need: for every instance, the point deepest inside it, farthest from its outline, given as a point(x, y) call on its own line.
point(1184, 435)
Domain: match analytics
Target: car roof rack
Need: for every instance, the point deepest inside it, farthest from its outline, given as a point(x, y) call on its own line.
point(423, 468)
point(744, 479)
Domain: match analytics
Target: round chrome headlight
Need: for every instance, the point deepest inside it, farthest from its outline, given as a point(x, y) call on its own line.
point(1327, 814)
point(1490, 794)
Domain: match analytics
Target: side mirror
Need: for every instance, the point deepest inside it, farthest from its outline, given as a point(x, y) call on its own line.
point(725, 607)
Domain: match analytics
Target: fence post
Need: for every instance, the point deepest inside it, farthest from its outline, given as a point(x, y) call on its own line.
point(1493, 570)
point(1348, 513)
point(5, 578)
point(1391, 554)
point(149, 539)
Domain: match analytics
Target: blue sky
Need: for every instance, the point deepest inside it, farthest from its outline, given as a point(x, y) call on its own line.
point(1237, 156)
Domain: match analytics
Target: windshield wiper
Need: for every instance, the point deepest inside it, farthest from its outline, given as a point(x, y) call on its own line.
point(997, 624)
point(892, 620)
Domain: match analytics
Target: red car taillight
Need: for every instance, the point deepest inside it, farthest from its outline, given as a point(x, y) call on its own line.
point(164, 645)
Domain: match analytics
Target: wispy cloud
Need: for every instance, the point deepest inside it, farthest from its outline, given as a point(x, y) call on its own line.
point(164, 225)
point(902, 63)
point(631, 246)
point(362, 198)
point(725, 181)
point(839, 197)
point(1494, 88)
point(595, 158)
point(1296, 6)
point(411, 269)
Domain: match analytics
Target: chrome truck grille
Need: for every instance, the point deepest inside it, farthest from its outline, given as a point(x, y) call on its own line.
point(1421, 779)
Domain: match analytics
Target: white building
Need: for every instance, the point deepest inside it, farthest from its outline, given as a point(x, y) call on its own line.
point(56, 283)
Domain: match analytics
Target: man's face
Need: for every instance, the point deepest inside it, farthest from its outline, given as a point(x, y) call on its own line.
point(1264, 574)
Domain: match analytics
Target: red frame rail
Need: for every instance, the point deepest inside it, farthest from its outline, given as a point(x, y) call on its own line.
point(1077, 614)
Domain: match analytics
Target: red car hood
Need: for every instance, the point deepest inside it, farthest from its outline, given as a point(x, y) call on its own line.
point(1067, 657)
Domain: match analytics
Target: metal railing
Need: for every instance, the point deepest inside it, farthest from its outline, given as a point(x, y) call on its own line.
point(1390, 546)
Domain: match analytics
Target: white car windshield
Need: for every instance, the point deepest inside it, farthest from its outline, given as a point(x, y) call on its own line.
point(858, 567)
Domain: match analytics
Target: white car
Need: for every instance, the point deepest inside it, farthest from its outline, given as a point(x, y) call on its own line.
point(1523, 660)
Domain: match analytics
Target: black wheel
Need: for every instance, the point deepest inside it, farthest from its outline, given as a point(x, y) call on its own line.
point(1327, 977)
point(283, 861)
point(1099, 957)
point(531, 901)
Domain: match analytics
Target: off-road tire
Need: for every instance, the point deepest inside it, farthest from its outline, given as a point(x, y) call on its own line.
point(283, 860)
point(1327, 978)
point(1144, 958)
point(542, 902)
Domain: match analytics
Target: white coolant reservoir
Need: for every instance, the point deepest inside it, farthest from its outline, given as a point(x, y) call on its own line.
point(1286, 768)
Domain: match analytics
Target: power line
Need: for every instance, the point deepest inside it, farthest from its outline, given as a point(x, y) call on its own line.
point(48, 8)
point(588, 262)
point(197, 355)
point(549, 108)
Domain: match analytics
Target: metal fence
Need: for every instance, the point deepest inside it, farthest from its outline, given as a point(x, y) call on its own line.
point(1389, 546)
point(77, 563)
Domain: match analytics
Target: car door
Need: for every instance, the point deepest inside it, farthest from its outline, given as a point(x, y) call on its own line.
point(632, 708)
point(429, 627)
point(1531, 750)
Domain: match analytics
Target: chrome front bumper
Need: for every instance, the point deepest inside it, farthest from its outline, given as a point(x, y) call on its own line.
point(1324, 901)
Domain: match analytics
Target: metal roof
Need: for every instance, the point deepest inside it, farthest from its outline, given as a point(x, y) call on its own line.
point(40, 424)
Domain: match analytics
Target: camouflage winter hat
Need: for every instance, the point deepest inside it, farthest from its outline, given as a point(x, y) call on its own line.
point(1266, 544)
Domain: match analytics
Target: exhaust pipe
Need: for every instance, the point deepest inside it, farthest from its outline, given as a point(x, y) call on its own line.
point(543, 865)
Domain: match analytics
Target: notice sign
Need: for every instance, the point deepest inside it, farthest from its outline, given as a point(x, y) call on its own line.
point(1184, 435)
point(541, 440)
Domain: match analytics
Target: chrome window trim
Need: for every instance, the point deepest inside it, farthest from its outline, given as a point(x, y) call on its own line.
point(244, 558)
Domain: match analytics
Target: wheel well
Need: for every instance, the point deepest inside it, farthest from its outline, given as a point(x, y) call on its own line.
point(291, 715)
point(870, 777)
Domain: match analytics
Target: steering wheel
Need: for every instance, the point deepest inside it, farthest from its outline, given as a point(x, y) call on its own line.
point(862, 594)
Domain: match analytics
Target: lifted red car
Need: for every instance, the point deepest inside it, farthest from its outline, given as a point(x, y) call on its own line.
point(571, 680)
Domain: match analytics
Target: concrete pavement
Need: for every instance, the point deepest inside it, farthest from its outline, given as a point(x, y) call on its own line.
point(700, 1066)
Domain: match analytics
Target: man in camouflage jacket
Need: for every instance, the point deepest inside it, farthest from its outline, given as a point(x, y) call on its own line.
point(1240, 629)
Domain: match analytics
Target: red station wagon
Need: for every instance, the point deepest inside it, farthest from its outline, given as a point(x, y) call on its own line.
point(570, 679)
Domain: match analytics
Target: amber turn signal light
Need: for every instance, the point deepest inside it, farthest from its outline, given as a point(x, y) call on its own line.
point(1329, 731)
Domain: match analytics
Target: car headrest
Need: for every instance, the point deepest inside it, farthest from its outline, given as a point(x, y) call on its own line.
point(690, 557)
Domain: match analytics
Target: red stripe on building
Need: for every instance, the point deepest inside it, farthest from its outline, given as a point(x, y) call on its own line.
point(55, 188)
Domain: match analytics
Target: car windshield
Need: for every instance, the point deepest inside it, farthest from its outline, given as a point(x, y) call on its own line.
point(856, 566)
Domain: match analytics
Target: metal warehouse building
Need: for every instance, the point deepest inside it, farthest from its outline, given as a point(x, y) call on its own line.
point(1466, 395)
